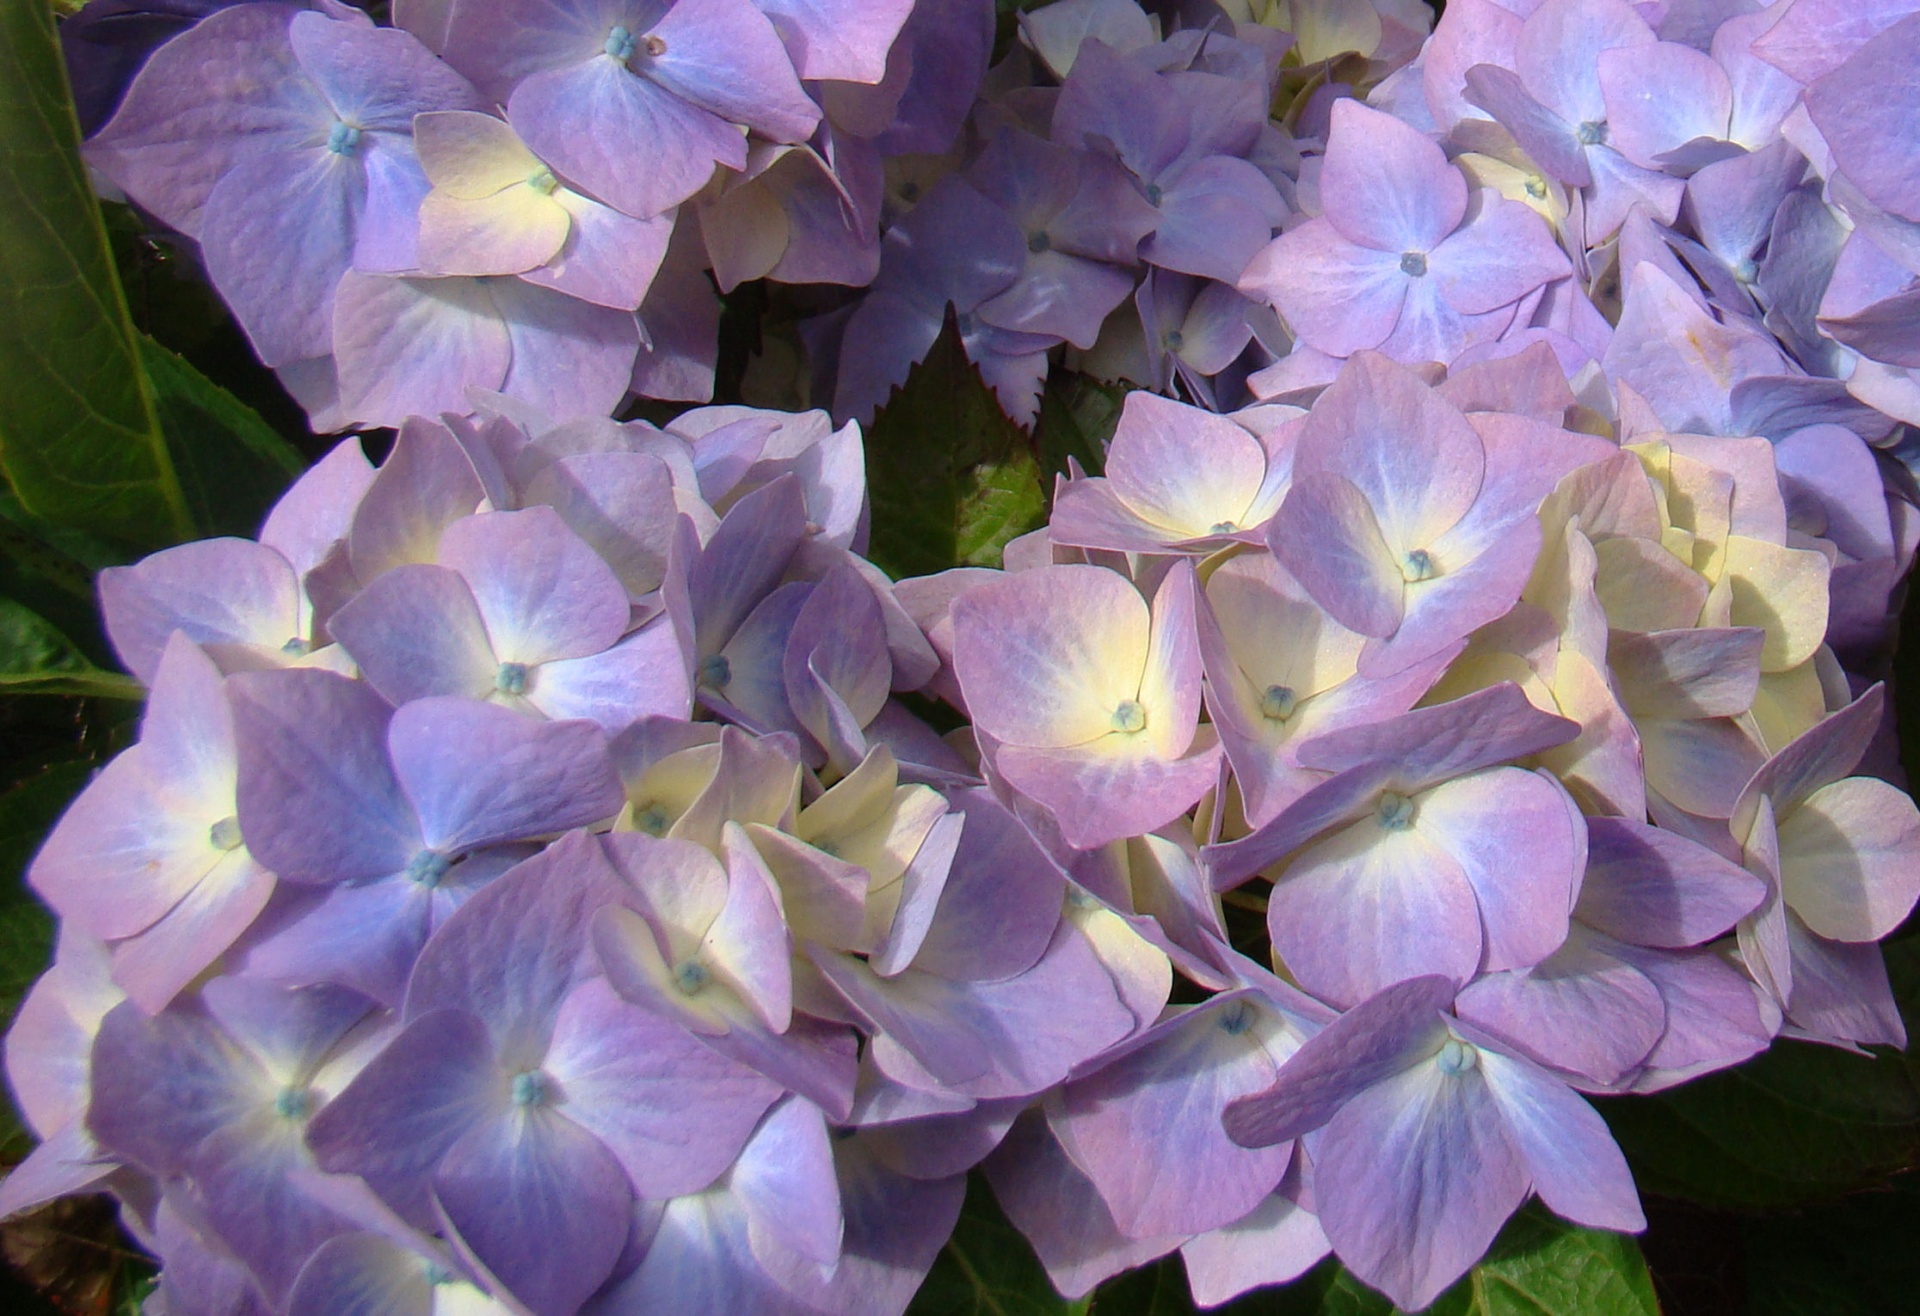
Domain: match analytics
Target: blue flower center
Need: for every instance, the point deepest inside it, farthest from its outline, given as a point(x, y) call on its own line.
point(1154, 194)
point(1536, 188)
point(343, 139)
point(293, 1103)
point(620, 44)
point(225, 834)
point(691, 978)
point(1277, 702)
point(1039, 242)
point(1414, 263)
point(1592, 133)
point(1236, 1018)
point(652, 820)
point(296, 648)
point(716, 672)
point(428, 868)
point(1129, 716)
point(544, 182)
point(511, 679)
point(1456, 1057)
point(530, 1088)
point(1418, 566)
point(1223, 528)
point(1395, 811)
point(1175, 340)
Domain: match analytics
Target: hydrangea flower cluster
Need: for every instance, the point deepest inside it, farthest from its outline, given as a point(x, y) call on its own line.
point(537, 886)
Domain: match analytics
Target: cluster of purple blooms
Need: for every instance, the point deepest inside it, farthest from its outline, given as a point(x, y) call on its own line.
point(531, 892)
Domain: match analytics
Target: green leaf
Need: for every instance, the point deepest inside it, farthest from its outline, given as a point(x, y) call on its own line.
point(35, 658)
point(1078, 414)
point(1800, 1123)
point(79, 436)
point(1543, 1266)
point(232, 465)
point(950, 477)
point(987, 1268)
point(1852, 1258)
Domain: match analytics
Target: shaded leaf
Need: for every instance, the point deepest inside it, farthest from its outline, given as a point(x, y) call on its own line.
point(1078, 414)
point(1543, 1266)
point(35, 658)
point(987, 1268)
point(951, 478)
point(1852, 1258)
point(79, 438)
point(1800, 1123)
point(232, 465)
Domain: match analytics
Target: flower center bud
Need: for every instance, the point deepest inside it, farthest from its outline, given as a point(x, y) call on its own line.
point(1039, 242)
point(1154, 194)
point(296, 648)
point(1276, 703)
point(428, 868)
point(652, 820)
point(1417, 566)
point(225, 834)
point(964, 322)
point(343, 139)
point(544, 182)
point(1236, 1018)
point(691, 978)
point(511, 679)
point(656, 46)
point(1593, 132)
point(716, 672)
point(1129, 716)
point(1536, 188)
point(1456, 1057)
point(620, 44)
point(530, 1088)
point(1396, 811)
point(1175, 340)
point(293, 1103)
point(1414, 263)
point(1223, 528)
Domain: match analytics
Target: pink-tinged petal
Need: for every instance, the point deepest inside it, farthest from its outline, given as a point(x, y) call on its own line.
point(1824, 754)
point(1326, 533)
point(745, 559)
point(304, 238)
point(1061, 1213)
point(67, 1162)
point(540, 1202)
point(1867, 105)
point(1522, 844)
point(921, 887)
point(1431, 745)
point(1215, 213)
point(1652, 887)
point(1336, 295)
point(1576, 1167)
point(1463, 597)
point(426, 484)
point(1841, 992)
point(831, 44)
point(1385, 185)
point(1371, 906)
point(516, 230)
point(588, 119)
point(317, 509)
point(162, 1086)
point(252, 1203)
point(1409, 452)
point(363, 1274)
point(317, 797)
point(648, 674)
point(1764, 936)
point(894, 1228)
point(1541, 133)
point(1713, 1016)
point(1580, 1010)
point(1046, 657)
point(568, 358)
point(609, 258)
point(1372, 1042)
point(747, 942)
point(1147, 1128)
point(49, 1046)
point(837, 647)
point(479, 774)
point(1710, 672)
point(724, 56)
point(630, 1078)
point(543, 593)
point(1184, 468)
point(1276, 1242)
point(1170, 684)
point(1097, 795)
point(699, 1261)
point(416, 631)
point(362, 935)
point(1009, 1038)
point(155, 965)
point(999, 902)
point(218, 591)
point(1850, 859)
point(785, 1179)
point(1414, 1177)
point(620, 503)
point(1503, 252)
point(231, 89)
point(1701, 764)
point(1558, 52)
point(407, 347)
point(1661, 97)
